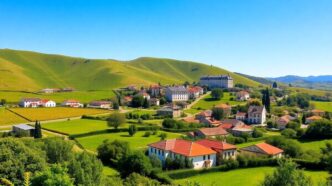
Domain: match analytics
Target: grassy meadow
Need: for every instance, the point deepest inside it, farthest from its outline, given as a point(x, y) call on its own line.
point(314, 145)
point(326, 106)
point(7, 118)
point(208, 103)
point(245, 177)
point(135, 142)
point(42, 114)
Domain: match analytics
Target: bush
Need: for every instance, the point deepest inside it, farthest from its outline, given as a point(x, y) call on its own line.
point(257, 133)
point(289, 133)
point(291, 147)
point(147, 134)
point(132, 130)
point(110, 152)
point(319, 130)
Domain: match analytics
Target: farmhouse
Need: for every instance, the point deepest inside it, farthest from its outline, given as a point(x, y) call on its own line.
point(154, 102)
point(312, 119)
point(100, 104)
point(30, 102)
point(210, 132)
point(201, 156)
point(144, 95)
point(242, 96)
point(178, 93)
point(195, 92)
point(242, 129)
point(23, 130)
point(224, 150)
point(222, 81)
point(317, 112)
point(172, 111)
point(207, 114)
point(241, 116)
point(72, 103)
point(263, 149)
point(155, 90)
point(256, 115)
point(47, 103)
point(283, 121)
point(49, 90)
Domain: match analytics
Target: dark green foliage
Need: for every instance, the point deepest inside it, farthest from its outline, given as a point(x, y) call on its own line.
point(17, 158)
point(218, 113)
point(135, 162)
point(289, 133)
point(111, 152)
point(300, 100)
point(266, 100)
point(55, 175)
point(116, 106)
point(326, 158)
point(155, 162)
point(287, 174)
point(147, 134)
point(132, 130)
point(293, 125)
point(146, 103)
point(257, 133)
point(176, 124)
point(135, 179)
point(274, 85)
point(162, 101)
point(116, 119)
point(291, 147)
point(217, 93)
point(178, 163)
point(319, 130)
point(3, 101)
point(38, 132)
point(86, 169)
point(57, 150)
point(137, 101)
point(163, 136)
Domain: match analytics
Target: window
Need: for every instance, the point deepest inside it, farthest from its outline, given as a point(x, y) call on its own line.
point(208, 157)
point(204, 157)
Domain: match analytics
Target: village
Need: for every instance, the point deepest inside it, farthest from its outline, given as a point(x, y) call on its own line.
point(210, 136)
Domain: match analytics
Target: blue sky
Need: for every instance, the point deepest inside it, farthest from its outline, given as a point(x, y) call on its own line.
point(256, 37)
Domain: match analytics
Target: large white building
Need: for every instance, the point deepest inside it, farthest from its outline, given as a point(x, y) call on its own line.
point(221, 81)
point(178, 93)
point(201, 156)
point(256, 115)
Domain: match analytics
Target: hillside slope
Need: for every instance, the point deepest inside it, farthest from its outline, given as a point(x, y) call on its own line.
point(30, 71)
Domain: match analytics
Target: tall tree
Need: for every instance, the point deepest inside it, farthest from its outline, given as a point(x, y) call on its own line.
point(218, 113)
point(38, 132)
point(132, 130)
point(116, 119)
point(266, 100)
point(146, 103)
point(217, 94)
point(274, 85)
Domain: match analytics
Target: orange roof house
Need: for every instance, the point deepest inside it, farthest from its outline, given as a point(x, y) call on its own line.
point(216, 145)
point(263, 149)
point(211, 132)
point(313, 119)
point(317, 112)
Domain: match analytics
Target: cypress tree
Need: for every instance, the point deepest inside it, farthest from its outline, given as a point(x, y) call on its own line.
point(38, 132)
point(267, 100)
point(146, 103)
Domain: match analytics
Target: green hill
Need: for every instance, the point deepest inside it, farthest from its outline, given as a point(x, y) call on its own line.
point(31, 71)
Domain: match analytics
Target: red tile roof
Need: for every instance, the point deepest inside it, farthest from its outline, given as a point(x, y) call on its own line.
point(216, 145)
point(214, 131)
point(241, 114)
point(183, 147)
point(269, 149)
point(315, 118)
point(226, 126)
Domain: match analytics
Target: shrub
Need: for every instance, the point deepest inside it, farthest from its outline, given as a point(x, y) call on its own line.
point(289, 133)
point(147, 134)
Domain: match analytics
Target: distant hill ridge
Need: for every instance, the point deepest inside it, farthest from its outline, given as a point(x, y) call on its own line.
point(312, 79)
point(30, 71)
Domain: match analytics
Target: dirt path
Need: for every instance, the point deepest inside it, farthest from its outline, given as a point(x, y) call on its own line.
point(197, 100)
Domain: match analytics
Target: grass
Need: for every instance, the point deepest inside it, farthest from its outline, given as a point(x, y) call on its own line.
point(208, 103)
point(135, 142)
point(82, 96)
point(247, 177)
point(42, 114)
point(326, 106)
point(314, 145)
point(76, 126)
point(143, 111)
point(8, 118)
point(31, 71)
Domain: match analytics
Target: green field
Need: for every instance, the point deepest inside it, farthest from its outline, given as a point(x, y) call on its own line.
point(42, 114)
point(78, 126)
point(244, 177)
point(208, 103)
point(8, 118)
point(314, 145)
point(136, 142)
point(326, 106)
point(32, 71)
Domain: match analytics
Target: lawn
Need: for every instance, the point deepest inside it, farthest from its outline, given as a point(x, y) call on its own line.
point(314, 145)
point(78, 126)
point(42, 114)
point(143, 111)
point(83, 96)
point(247, 177)
point(135, 142)
point(7, 118)
point(208, 103)
point(326, 106)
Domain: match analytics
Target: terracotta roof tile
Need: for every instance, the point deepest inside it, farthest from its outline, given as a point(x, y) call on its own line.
point(216, 145)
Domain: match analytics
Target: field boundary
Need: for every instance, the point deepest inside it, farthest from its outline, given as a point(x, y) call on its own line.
point(18, 114)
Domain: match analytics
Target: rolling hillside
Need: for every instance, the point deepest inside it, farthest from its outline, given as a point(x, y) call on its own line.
point(31, 71)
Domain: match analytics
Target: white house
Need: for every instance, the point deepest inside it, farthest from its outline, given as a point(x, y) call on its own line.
point(155, 90)
point(242, 96)
point(72, 103)
point(30, 102)
point(263, 149)
point(221, 81)
point(256, 115)
point(223, 149)
point(195, 92)
point(201, 156)
point(47, 103)
point(177, 93)
point(144, 95)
